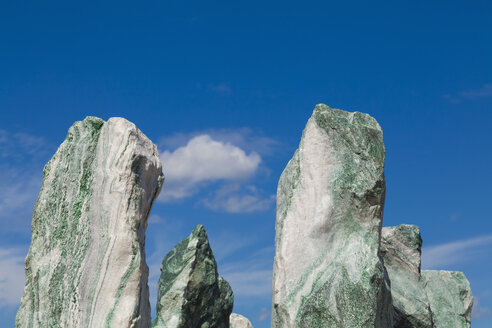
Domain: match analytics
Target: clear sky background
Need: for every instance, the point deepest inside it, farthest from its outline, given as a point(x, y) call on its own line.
point(225, 88)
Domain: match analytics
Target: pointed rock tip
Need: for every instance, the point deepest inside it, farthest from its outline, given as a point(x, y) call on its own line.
point(199, 232)
point(94, 120)
point(120, 120)
point(91, 120)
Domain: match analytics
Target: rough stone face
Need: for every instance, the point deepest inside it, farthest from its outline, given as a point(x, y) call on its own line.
point(422, 299)
point(401, 249)
point(86, 264)
point(450, 298)
point(238, 321)
point(327, 271)
point(190, 291)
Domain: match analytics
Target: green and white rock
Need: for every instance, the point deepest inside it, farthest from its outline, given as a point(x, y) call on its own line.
point(401, 249)
point(422, 299)
point(450, 298)
point(327, 271)
point(86, 264)
point(238, 321)
point(191, 294)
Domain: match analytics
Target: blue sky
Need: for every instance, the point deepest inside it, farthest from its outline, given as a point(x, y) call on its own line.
point(230, 85)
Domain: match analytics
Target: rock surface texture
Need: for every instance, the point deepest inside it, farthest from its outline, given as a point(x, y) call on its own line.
point(401, 249)
point(191, 294)
point(450, 298)
point(238, 321)
point(327, 272)
point(427, 298)
point(86, 264)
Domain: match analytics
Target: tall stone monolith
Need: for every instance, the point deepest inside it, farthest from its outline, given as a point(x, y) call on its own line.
point(86, 263)
point(330, 198)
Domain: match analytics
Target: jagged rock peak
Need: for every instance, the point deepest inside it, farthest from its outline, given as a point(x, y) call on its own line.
point(238, 321)
point(86, 263)
point(330, 198)
point(190, 291)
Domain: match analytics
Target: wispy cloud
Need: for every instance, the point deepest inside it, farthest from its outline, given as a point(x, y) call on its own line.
point(203, 160)
point(227, 243)
point(439, 256)
point(478, 311)
point(473, 94)
point(22, 157)
point(11, 275)
point(19, 145)
point(154, 218)
point(251, 277)
point(18, 192)
point(248, 282)
point(222, 88)
point(264, 314)
point(237, 199)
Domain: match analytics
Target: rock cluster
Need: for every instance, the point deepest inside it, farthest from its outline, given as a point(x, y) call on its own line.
point(86, 264)
point(334, 264)
point(422, 298)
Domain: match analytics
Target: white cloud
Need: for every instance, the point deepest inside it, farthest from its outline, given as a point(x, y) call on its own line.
point(435, 257)
point(11, 276)
point(233, 199)
point(203, 160)
point(244, 138)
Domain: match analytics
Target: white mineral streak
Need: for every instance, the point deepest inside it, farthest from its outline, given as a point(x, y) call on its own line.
point(238, 321)
point(302, 230)
point(107, 286)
